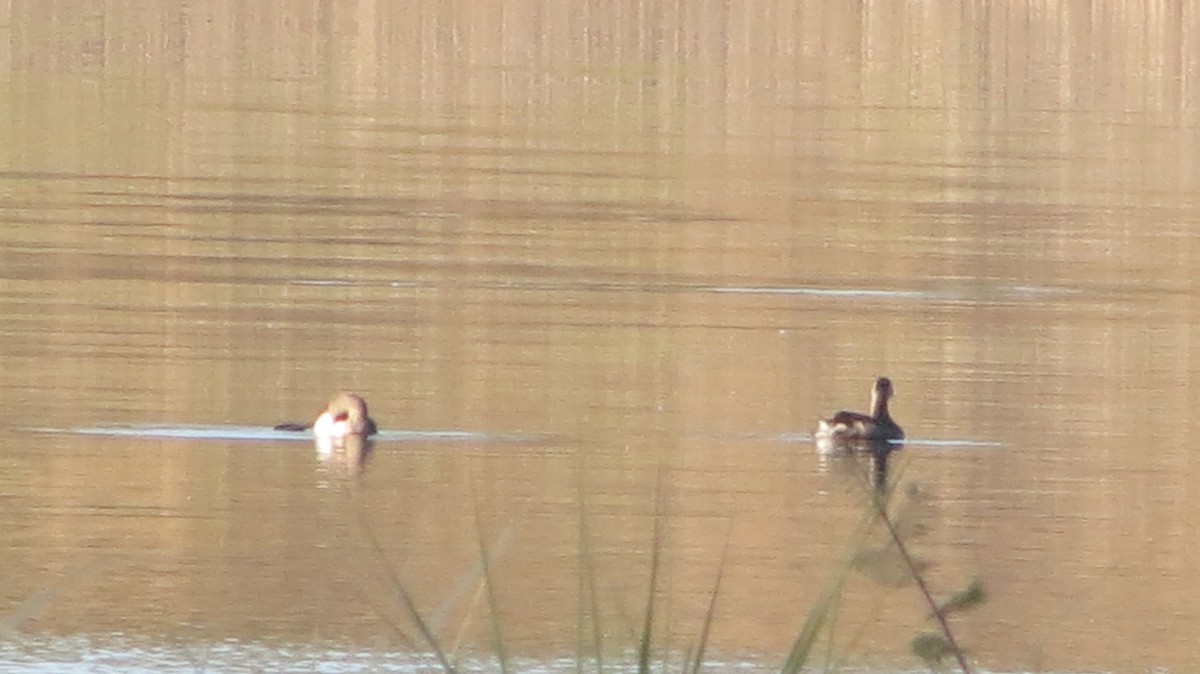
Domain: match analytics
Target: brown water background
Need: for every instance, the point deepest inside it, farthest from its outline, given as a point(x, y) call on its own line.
point(590, 262)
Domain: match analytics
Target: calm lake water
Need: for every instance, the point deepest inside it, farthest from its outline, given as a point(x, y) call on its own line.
point(598, 268)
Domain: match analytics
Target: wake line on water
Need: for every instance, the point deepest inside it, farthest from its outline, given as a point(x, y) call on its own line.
point(258, 433)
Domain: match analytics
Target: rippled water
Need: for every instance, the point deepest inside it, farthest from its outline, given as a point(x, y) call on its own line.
point(598, 270)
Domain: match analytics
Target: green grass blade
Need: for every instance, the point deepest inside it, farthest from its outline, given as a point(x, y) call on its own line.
point(405, 598)
point(698, 660)
point(494, 614)
point(824, 609)
point(645, 642)
point(588, 595)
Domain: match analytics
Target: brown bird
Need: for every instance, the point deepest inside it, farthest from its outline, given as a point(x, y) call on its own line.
point(846, 428)
point(345, 415)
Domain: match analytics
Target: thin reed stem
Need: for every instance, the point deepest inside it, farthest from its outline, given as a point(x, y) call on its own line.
point(405, 598)
point(922, 586)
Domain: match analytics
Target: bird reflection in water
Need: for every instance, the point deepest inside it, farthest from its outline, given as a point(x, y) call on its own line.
point(351, 453)
point(869, 459)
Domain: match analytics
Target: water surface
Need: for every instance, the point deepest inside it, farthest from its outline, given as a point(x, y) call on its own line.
point(598, 270)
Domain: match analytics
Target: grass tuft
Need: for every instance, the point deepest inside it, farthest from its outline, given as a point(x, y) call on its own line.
point(645, 642)
point(890, 563)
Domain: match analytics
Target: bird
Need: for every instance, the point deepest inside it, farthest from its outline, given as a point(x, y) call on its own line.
point(345, 416)
point(846, 429)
